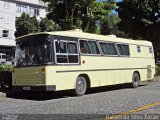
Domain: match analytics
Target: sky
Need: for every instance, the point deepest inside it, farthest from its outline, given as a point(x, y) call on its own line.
point(113, 11)
point(118, 0)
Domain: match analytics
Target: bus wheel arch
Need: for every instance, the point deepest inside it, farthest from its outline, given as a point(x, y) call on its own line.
point(82, 84)
point(136, 78)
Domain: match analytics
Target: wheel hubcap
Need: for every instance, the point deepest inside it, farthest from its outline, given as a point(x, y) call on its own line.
point(136, 81)
point(81, 85)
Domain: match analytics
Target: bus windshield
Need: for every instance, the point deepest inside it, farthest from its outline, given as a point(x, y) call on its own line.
point(33, 50)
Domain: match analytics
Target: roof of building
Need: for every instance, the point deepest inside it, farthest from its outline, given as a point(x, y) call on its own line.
point(84, 35)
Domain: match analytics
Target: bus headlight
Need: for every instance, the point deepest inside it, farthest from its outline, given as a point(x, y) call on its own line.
point(42, 78)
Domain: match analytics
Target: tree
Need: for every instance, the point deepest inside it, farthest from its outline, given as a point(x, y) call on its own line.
point(26, 25)
point(83, 14)
point(48, 25)
point(110, 26)
point(140, 19)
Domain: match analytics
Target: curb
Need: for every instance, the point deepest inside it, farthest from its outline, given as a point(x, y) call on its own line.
point(2, 96)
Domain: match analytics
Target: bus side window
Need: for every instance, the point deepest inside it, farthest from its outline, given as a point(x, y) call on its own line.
point(150, 50)
point(84, 47)
point(126, 49)
point(105, 48)
point(72, 48)
point(63, 47)
point(120, 49)
point(112, 48)
point(123, 49)
point(138, 48)
point(93, 46)
point(72, 52)
point(67, 52)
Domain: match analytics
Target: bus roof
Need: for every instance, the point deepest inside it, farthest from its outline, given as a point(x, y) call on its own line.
point(83, 35)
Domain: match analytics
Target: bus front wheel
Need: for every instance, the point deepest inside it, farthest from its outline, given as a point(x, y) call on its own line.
point(81, 86)
point(135, 80)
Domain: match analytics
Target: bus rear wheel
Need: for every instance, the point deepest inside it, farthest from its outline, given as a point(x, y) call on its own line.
point(135, 80)
point(81, 86)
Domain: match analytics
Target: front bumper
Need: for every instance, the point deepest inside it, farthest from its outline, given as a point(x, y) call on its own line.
point(34, 88)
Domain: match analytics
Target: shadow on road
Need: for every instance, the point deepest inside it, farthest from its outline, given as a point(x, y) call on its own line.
point(42, 96)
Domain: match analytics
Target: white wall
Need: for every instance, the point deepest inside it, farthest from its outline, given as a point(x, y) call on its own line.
point(7, 22)
point(8, 14)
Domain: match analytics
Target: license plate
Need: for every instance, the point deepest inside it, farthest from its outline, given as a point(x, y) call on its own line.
point(26, 88)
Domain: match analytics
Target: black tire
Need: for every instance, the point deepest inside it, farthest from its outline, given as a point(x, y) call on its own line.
point(135, 80)
point(81, 86)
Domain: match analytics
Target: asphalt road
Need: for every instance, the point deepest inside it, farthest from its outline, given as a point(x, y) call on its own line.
point(99, 103)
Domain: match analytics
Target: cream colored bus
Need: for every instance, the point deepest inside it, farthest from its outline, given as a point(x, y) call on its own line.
point(63, 60)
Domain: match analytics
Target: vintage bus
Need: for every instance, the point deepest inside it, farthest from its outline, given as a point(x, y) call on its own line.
point(63, 60)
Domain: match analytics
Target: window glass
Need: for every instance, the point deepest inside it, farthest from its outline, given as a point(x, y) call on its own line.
point(5, 33)
point(57, 47)
point(66, 52)
point(112, 48)
point(62, 59)
point(73, 58)
point(72, 48)
point(33, 50)
point(36, 11)
point(123, 49)
point(150, 50)
point(105, 48)
point(31, 11)
point(18, 8)
point(120, 49)
point(84, 48)
point(138, 48)
point(126, 49)
point(24, 9)
point(63, 48)
point(3, 56)
point(94, 48)
point(6, 4)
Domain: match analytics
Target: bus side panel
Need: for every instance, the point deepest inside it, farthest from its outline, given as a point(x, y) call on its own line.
point(63, 76)
point(103, 70)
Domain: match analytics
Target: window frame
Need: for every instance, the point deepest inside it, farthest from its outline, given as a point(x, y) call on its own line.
point(2, 57)
point(6, 5)
point(7, 33)
point(18, 9)
point(89, 54)
point(80, 47)
point(150, 50)
point(66, 54)
point(123, 49)
point(109, 48)
point(138, 48)
point(31, 11)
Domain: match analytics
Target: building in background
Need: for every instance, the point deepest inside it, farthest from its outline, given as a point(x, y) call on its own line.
point(9, 11)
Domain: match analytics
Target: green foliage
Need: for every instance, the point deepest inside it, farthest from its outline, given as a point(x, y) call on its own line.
point(82, 14)
point(4, 67)
point(157, 72)
point(140, 19)
point(48, 25)
point(110, 26)
point(26, 25)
